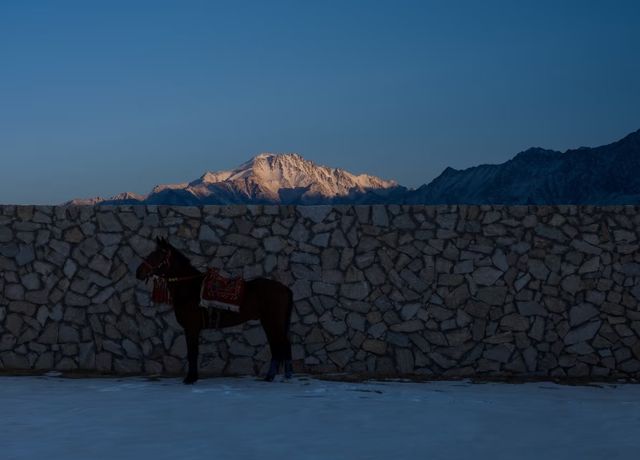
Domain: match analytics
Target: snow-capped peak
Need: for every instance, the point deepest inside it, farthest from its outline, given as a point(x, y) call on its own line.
point(269, 173)
point(212, 177)
point(265, 178)
point(128, 196)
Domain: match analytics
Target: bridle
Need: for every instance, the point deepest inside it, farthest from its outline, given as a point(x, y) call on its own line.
point(161, 281)
point(165, 262)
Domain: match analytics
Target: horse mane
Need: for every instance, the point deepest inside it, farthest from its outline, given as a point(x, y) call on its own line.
point(180, 258)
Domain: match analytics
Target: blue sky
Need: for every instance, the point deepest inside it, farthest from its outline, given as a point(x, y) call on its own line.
point(102, 97)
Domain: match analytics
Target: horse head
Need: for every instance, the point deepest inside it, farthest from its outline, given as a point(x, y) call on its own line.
point(157, 263)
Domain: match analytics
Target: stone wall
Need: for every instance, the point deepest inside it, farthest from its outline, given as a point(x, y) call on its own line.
point(435, 291)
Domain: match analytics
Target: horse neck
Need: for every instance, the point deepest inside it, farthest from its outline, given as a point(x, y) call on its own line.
point(180, 266)
point(184, 289)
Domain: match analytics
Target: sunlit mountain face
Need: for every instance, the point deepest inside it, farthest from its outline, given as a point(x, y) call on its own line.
point(270, 179)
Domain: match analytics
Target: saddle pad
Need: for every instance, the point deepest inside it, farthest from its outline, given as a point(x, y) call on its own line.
point(220, 292)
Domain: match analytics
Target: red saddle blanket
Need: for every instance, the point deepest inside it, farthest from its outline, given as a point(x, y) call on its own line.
point(220, 292)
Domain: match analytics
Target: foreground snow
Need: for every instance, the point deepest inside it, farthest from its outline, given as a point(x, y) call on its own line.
point(53, 418)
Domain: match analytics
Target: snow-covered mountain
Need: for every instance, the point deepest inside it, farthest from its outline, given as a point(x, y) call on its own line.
point(267, 178)
point(609, 174)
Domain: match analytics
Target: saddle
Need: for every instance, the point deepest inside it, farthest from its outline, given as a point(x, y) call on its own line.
point(220, 292)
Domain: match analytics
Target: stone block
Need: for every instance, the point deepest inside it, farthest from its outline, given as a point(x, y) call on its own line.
point(377, 347)
point(334, 327)
point(404, 361)
point(531, 309)
point(355, 291)
point(486, 276)
point(25, 255)
point(107, 222)
point(581, 313)
point(316, 214)
point(582, 333)
point(500, 353)
point(515, 322)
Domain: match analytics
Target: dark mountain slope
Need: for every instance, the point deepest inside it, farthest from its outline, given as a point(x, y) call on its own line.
point(608, 174)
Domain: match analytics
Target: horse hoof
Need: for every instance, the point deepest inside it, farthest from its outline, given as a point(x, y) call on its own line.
point(190, 380)
point(269, 378)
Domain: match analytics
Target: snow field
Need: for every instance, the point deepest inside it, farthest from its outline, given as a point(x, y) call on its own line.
point(236, 418)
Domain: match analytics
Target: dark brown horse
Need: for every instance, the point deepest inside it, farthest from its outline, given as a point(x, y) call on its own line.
point(266, 300)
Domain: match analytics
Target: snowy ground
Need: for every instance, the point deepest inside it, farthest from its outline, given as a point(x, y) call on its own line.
point(54, 418)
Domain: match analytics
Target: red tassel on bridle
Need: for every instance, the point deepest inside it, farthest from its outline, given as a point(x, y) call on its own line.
point(160, 292)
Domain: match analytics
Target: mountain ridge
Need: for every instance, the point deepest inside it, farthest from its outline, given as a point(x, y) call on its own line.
point(267, 178)
point(608, 174)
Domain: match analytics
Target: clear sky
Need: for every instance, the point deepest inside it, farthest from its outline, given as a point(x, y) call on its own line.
point(100, 97)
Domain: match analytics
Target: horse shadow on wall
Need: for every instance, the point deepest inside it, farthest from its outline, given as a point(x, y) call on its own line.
point(229, 302)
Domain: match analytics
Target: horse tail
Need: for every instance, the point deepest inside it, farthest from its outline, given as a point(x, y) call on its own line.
point(289, 308)
point(288, 351)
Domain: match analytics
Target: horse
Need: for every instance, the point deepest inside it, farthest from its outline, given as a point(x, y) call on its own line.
point(264, 299)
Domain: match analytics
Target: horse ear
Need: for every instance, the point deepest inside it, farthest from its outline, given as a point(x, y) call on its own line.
point(161, 242)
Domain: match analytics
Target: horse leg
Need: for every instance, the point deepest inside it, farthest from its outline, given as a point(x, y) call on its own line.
point(276, 325)
point(276, 360)
point(193, 338)
point(288, 366)
point(281, 353)
point(285, 353)
point(274, 366)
